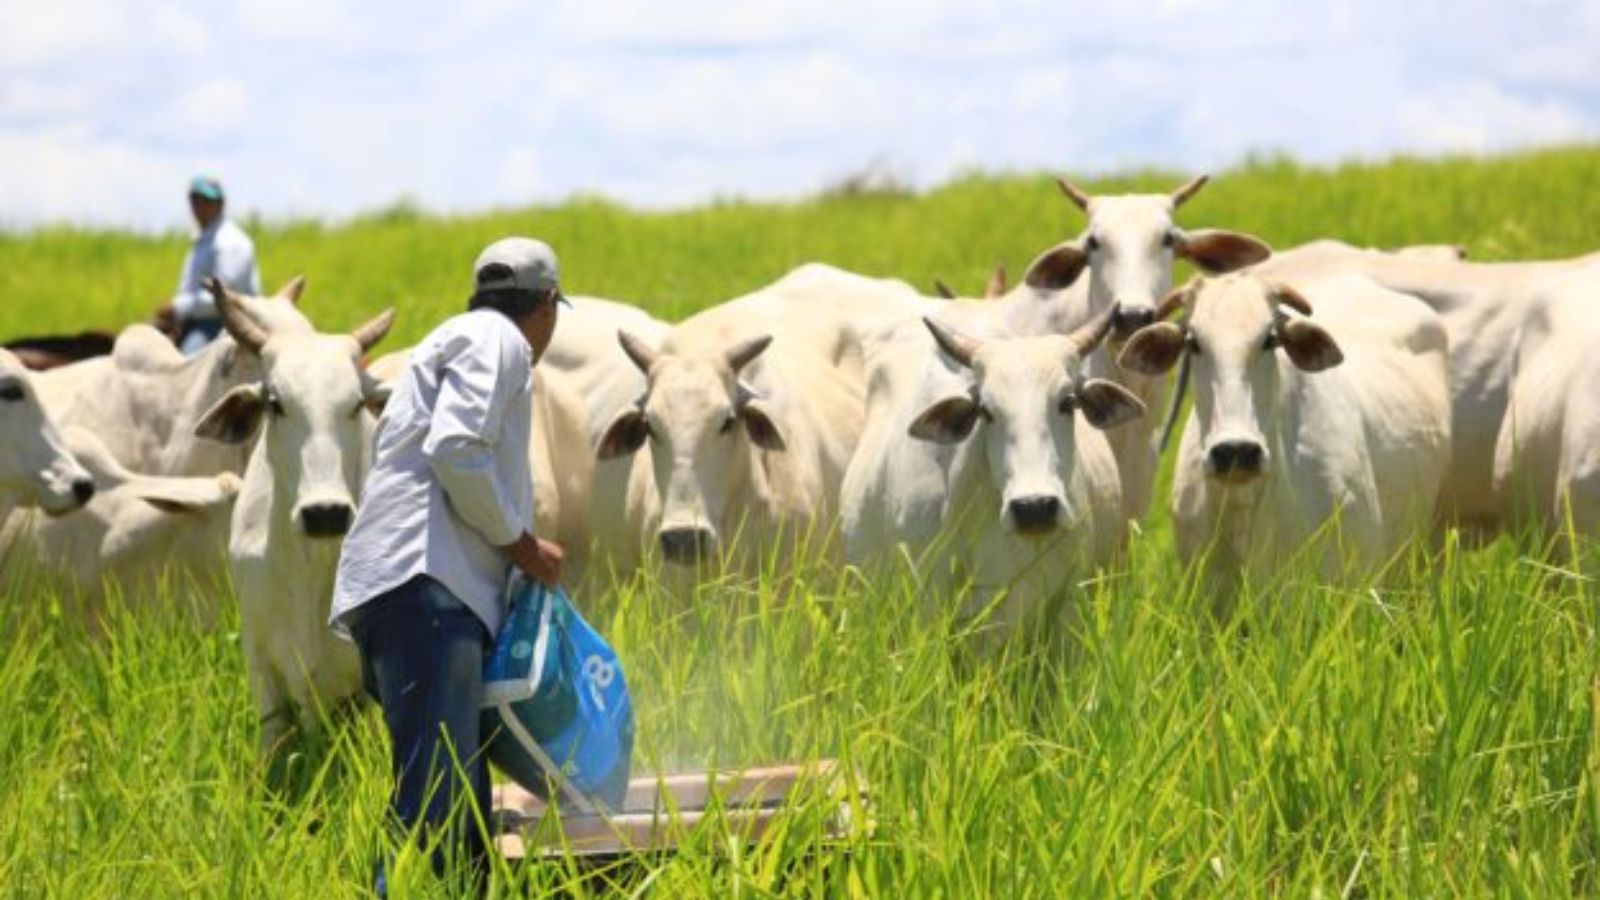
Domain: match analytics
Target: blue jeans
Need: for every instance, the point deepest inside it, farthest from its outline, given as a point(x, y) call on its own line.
point(422, 656)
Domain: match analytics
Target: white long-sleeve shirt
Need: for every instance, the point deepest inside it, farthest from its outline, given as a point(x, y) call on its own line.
point(450, 481)
point(221, 250)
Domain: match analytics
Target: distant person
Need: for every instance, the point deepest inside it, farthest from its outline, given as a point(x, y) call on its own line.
point(222, 250)
point(446, 512)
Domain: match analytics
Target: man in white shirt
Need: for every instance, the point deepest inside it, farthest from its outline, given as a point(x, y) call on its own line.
point(447, 510)
point(221, 250)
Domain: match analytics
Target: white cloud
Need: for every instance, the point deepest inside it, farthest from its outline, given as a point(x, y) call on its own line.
point(38, 31)
point(1478, 116)
point(323, 107)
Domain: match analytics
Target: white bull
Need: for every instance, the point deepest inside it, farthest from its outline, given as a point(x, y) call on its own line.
point(36, 468)
point(1030, 494)
point(1483, 306)
point(820, 314)
point(748, 438)
point(1547, 458)
point(1297, 420)
point(313, 408)
point(136, 528)
point(1129, 247)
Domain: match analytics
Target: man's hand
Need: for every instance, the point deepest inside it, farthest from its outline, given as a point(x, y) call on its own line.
point(538, 559)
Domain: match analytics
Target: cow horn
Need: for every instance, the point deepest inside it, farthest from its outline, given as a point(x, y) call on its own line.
point(943, 290)
point(1188, 189)
point(1092, 333)
point(956, 345)
point(1175, 299)
point(244, 329)
point(369, 334)
point(745, 352)
point(997, 282)
point(642, 354)
point(292, 291)
point(1288, 296)
point(1074, 193)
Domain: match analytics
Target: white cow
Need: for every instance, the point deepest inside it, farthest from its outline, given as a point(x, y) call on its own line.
point(313, 408)
point(748, 437)
point(1129, 247)
point(1028, 489)
point(1483, 306)
point(1547, 458)
point(136, 528)
point(1297, 419)
point(144, 399)
point(559, 455)
point(820, 314)
point(36, 468)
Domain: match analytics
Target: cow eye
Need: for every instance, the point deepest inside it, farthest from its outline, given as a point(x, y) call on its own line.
point(728, 421)
point(1270, 341)
point(11, 392)
point(1192, 343)
point(1169, 240)
point(1067, 404)
point(984, 413)
point(274, 404)
point(1091, 244)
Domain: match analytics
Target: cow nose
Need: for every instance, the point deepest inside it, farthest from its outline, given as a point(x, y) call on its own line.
point(1034, 515)
point(83, 489)
point(326, 519)
point(1127, 321)
point(686, 545)
point(1237, 459)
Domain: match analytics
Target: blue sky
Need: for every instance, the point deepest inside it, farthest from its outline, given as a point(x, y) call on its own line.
point(328, 108)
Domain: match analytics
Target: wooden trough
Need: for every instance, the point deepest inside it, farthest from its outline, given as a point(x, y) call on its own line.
point(661, 811)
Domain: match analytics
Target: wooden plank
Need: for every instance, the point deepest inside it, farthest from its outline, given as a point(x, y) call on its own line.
point(660, 811)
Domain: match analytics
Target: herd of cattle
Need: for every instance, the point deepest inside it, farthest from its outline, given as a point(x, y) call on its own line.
point(1005, 442)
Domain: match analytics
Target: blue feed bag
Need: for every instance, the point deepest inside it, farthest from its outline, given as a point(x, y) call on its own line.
point(556, 712)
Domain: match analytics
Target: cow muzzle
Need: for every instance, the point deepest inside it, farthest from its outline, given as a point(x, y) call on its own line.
point(687, 545)
point(1127, 320)
point(1036, 514)
point(1236, 461)
point(60, 498)
point(326, 520)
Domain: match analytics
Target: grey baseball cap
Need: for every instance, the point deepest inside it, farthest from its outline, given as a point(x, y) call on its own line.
point(518, 264)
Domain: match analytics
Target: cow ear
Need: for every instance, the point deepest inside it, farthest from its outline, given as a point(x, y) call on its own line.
point(950, 421)
point(1221, 251)
point(375, 394)
point(1106, 404)
point(625, 435)
point(764, 432)
point(1057, 267)
point(235, 418)
point(177, 496)
point(1153, 349)
point(1309, 347)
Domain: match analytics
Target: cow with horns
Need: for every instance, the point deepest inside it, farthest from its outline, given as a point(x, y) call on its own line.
point(313, 410)
point(1340, 422)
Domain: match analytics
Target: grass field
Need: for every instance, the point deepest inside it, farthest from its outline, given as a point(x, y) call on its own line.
point(1432, 736)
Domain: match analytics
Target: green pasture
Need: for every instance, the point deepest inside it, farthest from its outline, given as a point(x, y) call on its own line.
point(1430, 734)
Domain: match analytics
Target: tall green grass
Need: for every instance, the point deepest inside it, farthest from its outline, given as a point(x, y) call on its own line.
point(1431, 734)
